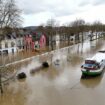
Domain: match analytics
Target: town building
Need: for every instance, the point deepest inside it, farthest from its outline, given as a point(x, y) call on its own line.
point(11, 44)
point(34, 41)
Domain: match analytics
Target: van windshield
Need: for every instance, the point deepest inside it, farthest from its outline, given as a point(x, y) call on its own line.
point(89, 65)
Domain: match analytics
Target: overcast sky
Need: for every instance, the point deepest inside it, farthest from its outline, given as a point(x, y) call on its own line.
point(36, 12)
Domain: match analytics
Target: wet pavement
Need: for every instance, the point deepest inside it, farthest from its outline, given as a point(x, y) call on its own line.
point(59, 84)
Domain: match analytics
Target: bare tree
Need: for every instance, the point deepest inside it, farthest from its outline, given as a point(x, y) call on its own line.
point(9, 14)
point(51, 31)
point(78, 26)
point(96, 27)
point(9, 19)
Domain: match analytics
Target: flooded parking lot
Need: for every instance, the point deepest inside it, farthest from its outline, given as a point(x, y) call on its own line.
point(59, 84)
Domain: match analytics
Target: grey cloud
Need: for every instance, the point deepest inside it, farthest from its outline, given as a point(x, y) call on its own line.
point(98, 2)
point(57, 7)
point(84, 3)
point(94, 2)
point(32, 6)
point(33, 11)
point(63, 12)
point(60, 10)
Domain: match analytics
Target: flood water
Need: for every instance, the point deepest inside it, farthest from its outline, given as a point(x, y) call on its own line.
point(59, 84)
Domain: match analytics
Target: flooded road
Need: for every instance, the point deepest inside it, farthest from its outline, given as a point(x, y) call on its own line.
point(59, 84)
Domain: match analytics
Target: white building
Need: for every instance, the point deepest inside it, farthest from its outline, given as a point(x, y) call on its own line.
point(10, 45)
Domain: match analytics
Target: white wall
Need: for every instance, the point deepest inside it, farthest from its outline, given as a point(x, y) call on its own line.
point(9, 49)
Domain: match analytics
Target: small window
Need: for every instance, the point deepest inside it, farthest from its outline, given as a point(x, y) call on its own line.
point(6, 45)
point(12, 44)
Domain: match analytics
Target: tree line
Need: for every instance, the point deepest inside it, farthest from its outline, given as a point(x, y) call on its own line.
point(73, 28)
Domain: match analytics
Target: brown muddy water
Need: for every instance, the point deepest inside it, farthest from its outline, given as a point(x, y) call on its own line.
point(58, 84)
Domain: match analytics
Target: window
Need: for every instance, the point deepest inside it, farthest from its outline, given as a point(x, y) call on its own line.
point(12, 44)
point(6, 45)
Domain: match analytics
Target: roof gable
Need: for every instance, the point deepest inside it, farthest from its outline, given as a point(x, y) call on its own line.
point(36, 36)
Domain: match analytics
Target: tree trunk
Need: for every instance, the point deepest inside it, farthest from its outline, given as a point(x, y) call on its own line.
point(52, 43)
point(82, 37)
point(68, 40)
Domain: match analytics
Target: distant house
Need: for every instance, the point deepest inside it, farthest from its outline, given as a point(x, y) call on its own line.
point(8, 44)
point(11, 43)
point(34, 41)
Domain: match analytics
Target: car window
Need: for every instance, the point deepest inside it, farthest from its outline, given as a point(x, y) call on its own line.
point(89, 65)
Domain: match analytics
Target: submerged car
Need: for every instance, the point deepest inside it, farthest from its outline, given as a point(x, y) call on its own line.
point(93, 66)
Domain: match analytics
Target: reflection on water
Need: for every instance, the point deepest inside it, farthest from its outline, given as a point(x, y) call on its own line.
point(56, 85)
point(91, 82)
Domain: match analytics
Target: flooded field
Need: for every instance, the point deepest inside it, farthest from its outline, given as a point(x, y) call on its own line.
point(60, 84)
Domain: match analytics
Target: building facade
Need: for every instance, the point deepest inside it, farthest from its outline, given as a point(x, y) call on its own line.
point(34, 41)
